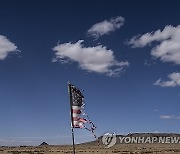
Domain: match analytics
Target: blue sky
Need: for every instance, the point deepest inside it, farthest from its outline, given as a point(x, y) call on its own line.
point(124, 54)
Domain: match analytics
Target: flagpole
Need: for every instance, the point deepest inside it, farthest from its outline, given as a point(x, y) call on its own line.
point(72, 130)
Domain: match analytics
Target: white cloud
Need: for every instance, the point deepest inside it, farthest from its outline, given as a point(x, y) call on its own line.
point(170, 117)
point(105, 27)
point(6, 47)
point(174, 81)
point(166, 116)
point(156, 131)
point(93, 59)
point(168, 49)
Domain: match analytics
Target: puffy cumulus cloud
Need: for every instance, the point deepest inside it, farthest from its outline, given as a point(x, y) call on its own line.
point(105, 27)
point(166, 116)
point(168, 49)
point(174, 81)
point(6, 47)
point(93, 59)
point(170, 117)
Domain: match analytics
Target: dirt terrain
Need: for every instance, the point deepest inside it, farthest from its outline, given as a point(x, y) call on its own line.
point(96, 149)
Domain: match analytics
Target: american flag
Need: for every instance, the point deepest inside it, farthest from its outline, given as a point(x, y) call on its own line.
point(79, 119)
point(76, 107)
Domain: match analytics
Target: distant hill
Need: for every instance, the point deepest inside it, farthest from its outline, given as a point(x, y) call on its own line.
point(43, 144)
point(140, 135)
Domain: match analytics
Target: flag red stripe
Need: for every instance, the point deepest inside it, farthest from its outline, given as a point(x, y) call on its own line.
point(76, 111)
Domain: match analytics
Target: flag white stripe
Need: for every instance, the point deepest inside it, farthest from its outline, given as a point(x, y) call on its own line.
point(76, 107)
point(75, 115)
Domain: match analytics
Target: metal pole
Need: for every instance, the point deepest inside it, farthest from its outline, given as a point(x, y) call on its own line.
point(72, 130)
point(73, 140)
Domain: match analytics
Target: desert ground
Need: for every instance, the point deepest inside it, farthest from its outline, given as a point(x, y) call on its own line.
point(96, 149)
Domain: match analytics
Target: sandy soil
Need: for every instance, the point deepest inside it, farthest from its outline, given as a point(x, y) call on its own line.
point(97, 149)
